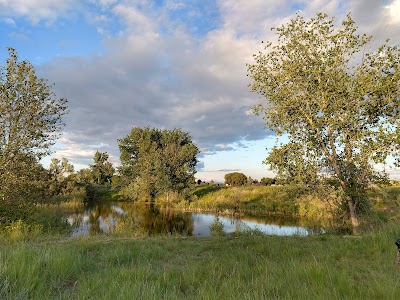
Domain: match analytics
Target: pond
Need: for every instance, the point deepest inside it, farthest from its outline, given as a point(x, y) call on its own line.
point(131, 218)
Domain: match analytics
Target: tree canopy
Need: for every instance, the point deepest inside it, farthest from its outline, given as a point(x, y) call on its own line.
point(235, 179)
point(335, 97)
point(102, 170)
point(30, 122)
point(155, 161)
point(267, 181)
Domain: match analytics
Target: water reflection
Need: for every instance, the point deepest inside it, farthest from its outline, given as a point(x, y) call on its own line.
point(202, 224)
point(130, 218)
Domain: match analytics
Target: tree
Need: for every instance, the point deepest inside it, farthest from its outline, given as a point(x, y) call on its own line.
point(102, 170)
point(337, 101)
point(235, 179)
point(267, 181)
point(59, 168)
point(155, 161)
point(30, 122)
point(58, 171)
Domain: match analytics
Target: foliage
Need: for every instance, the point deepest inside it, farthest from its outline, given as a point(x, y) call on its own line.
point(102, 170)
point(155, 162)
point(217, 228)
point(58, 171)
point(27, 220)
point(323, 207)
point(15, 210)
point(235, 179)
point(30, 122)
point(267, 181)
point(19, 229)
point(22, 179)
point(336, 101)
point(85, 176)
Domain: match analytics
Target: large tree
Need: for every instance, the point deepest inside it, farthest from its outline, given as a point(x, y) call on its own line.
point(157, 161)
point(58, 170)
point(235, 179)
point(30, 122)
point(102, 170)
point(335, 97)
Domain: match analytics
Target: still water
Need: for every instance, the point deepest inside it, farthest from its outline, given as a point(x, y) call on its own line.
point(151, 220)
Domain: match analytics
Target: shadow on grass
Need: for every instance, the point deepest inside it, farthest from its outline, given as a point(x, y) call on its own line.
point(204, 190)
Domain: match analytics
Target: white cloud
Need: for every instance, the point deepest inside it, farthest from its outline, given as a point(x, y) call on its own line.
point(174, 5)
point(156, 73)
point(394, 11)
point(104, 3)
point(251, 18)
point(136, 20)
point(8, 21)
point(36, 10)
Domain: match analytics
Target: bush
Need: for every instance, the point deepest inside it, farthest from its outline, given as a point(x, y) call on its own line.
point(20, 229)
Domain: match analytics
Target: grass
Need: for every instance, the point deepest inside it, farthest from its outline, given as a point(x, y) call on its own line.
point(386, 202)
point(238, 266)
point(46, 217)
point(241, 266)
point(258, 200)
point(283, 200)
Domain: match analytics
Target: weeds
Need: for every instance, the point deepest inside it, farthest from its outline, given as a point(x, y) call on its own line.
point(238, 266)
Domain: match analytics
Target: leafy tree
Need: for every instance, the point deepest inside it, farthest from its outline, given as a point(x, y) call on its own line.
point(58, 170)
point(335, 98)
point(157, 161)
point(85, 176)
point(235, 179)
point(102, 170)
point(267, 181)
point(30, 122)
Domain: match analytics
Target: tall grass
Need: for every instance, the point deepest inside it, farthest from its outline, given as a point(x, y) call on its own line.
point(240, 266)
point(253, 199)
point(46, 217)
point(324, 208)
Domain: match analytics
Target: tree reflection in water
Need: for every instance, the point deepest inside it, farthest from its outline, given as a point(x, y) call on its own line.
point(131, 218)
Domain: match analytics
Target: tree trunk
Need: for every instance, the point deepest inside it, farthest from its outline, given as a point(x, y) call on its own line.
point(353, 216)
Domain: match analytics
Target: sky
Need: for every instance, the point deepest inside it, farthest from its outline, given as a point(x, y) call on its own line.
point(166, 64)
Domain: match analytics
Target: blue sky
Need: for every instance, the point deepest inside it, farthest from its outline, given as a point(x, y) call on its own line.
point(165, 64)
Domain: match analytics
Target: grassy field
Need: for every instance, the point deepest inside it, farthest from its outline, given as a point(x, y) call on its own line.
point(250, 199)
point(238, 266)
point(243, 266)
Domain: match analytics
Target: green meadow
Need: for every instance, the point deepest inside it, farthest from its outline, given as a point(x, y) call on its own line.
point(39, 263)
point(238, 266)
